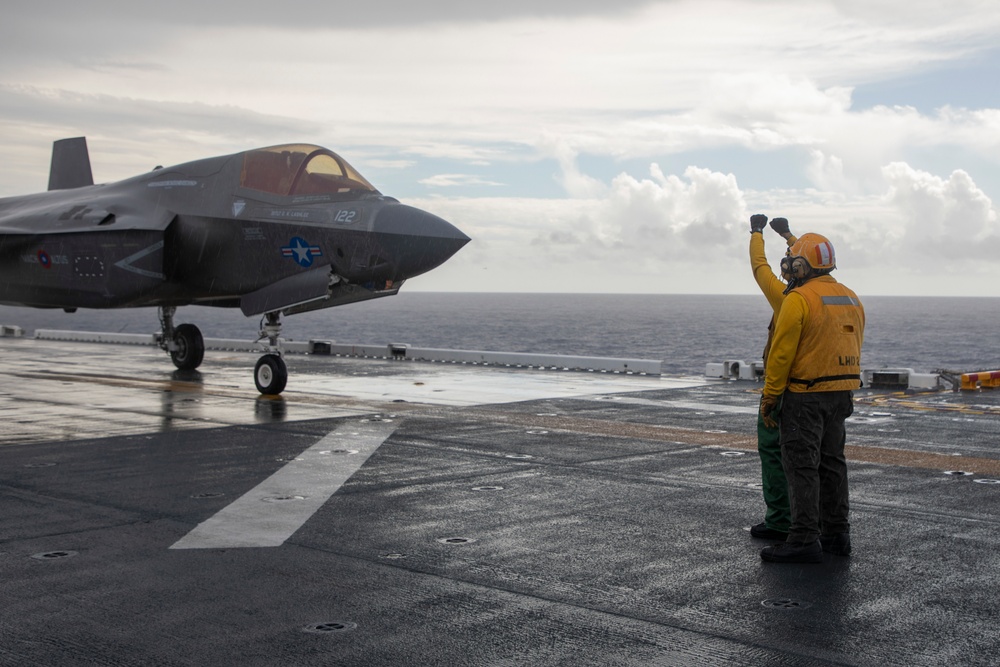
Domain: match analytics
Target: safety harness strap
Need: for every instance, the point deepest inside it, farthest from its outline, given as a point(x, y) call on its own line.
point(829, 378)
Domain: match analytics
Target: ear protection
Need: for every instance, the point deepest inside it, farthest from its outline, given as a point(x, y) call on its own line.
point(799, 268)
point(795, 271)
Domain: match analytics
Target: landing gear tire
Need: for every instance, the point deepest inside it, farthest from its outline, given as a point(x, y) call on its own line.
point(270, 375)
point(190, 347)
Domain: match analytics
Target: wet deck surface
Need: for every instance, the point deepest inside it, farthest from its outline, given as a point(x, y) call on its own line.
point(488, 517)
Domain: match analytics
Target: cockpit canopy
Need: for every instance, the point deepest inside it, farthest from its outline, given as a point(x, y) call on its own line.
point(301, 169)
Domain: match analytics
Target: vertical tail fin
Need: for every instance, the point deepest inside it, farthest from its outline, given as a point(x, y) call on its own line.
point(70, 164)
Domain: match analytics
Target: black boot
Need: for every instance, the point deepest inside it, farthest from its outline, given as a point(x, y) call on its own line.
point(837, 543)
point(793, 552)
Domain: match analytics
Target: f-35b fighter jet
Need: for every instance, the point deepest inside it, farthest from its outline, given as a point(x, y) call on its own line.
point(273, 231)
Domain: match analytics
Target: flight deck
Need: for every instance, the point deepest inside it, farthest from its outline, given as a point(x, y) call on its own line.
point(390, 511)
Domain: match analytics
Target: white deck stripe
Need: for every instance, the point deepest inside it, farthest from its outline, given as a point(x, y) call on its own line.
point(687, 405)
point(271, 512)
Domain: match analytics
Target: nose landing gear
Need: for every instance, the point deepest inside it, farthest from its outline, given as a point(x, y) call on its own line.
point(271, 374)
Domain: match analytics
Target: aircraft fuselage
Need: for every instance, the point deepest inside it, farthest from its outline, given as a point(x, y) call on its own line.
point(180, 236)
point(272, 231)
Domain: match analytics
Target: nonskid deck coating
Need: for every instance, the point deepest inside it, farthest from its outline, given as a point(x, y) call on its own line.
point(510, 517)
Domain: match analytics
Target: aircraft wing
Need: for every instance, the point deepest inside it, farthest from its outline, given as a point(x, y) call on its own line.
point(89, 209)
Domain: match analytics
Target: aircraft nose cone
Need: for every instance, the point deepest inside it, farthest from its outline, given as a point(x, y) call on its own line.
point(414, 240)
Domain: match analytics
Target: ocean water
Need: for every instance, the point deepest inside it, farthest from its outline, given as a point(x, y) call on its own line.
point(684, 331)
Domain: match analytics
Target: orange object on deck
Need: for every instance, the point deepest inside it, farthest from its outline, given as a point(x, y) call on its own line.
point(980, 380)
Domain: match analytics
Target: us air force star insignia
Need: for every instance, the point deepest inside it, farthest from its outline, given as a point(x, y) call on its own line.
point(301, 251)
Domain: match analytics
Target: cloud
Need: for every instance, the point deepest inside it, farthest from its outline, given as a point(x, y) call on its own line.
point(124, 66)
point(688, 233)
point(574, 182)
point(125, 135)
point(461, 96)
point(637, 228)
point(472, 154)
point(776, 98)
point(610, 86)
point(929, 15)
point(388, 164)
point(673, 218)
point(456, 180)
point(942, 218)
point(312, 15)
point(827, 172)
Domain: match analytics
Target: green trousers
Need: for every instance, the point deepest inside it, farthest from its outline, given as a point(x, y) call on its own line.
point(772, 474)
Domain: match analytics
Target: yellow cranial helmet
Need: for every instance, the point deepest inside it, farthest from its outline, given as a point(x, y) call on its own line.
point(816, 250)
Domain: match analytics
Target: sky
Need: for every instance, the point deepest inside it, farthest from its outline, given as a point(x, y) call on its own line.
point(585, 146)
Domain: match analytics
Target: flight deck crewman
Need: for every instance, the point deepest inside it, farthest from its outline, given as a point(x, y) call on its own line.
point(777, 517)
point(813, 366)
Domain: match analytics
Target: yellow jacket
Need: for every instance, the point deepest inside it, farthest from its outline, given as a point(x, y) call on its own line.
point(817, 340)
point(770, 284)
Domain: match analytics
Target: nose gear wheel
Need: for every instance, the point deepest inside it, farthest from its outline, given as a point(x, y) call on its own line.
point(270, 375)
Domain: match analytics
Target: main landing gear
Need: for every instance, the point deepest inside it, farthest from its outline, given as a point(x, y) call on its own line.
point(186, 347)
point(184, 343)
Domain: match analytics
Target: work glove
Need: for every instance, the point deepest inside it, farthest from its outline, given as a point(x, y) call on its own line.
point(780, 225)
point(769, 406)
point(757, 223)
